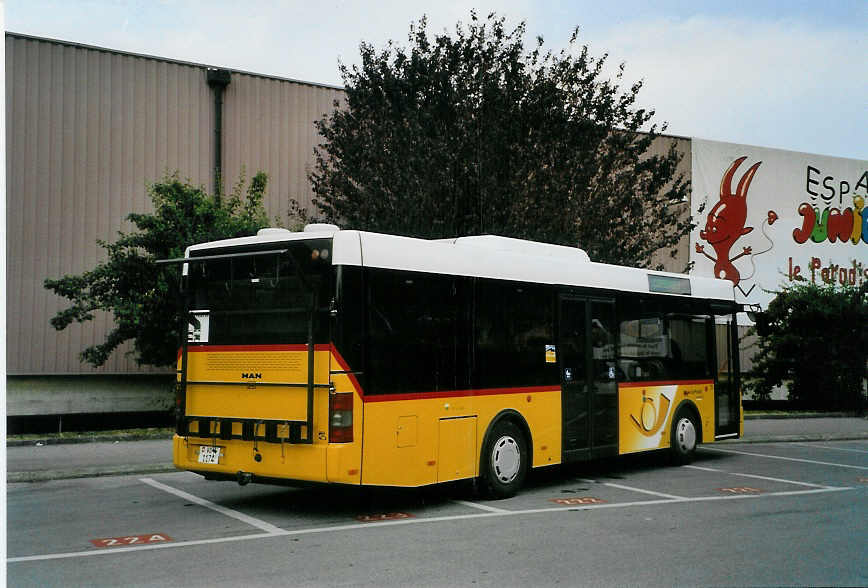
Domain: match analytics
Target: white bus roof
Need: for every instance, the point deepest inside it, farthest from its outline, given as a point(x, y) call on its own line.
point(485, 256)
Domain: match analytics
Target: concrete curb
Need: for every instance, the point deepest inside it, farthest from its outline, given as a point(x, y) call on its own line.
point(93, 472)
point(811, 415)
point(162, 468)
point(153, 436)
point(798, 438)
point(80, 440)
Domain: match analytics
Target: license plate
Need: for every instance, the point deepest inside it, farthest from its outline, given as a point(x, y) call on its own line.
point(209, 454)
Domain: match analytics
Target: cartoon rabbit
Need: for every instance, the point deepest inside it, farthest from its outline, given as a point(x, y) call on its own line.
point(725, 223)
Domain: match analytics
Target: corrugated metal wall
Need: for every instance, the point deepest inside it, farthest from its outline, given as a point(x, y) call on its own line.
point(268, 126)
point(86, 129)
point(660, 146)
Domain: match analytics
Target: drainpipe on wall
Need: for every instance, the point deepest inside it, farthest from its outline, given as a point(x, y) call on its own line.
point(218, 79)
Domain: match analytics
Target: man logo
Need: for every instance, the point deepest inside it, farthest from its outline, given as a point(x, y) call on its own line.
point(251, 376)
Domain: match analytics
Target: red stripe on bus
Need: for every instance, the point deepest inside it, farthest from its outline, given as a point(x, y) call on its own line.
point(665, 383)
point(459, 393)
point(346, 367)
point(422, 395)
point(386, 397)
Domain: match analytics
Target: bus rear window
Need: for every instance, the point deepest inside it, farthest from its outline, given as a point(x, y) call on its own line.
point(262, 299)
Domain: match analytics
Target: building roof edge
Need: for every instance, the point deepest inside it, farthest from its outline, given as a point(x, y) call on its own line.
point(78, 45)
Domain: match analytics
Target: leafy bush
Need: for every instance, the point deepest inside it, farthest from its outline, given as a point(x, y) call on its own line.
point(145, 298)
point(813, 337)
point(473, 133)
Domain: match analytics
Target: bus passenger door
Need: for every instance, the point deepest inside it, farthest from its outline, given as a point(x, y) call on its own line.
point(573, 363)
point(727, 384)
point(589, 387)
point(603, 378)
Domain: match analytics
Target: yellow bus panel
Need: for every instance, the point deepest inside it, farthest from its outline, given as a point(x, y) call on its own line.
point(407, 438)
point(646, 410)
point(243, 376)
point(278, 460)
point(457, 450)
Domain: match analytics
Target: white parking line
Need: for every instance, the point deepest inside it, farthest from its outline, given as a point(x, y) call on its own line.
point(484, 507)
point(831, 448)
point(694, 467)
point(758, 477)
point(781, 480)
point(826, 463)
point(641, 491)
point(259, 524)
point(415, 521)
point(633, 489)
point(121, 550)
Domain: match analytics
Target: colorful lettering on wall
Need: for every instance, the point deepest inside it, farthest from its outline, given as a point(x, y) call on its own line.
point(767, 216)
point(854, 275)
point(833, 224)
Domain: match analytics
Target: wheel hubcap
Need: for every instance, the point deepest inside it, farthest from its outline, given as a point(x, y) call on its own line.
point(506, 459)
point(685, 435)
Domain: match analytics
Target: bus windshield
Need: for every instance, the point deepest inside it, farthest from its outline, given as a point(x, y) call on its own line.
point(267, 298)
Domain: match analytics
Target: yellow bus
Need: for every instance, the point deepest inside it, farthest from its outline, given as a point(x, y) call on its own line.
point(349, 357)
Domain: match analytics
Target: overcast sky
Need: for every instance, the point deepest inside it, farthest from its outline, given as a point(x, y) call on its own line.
point(788, 74)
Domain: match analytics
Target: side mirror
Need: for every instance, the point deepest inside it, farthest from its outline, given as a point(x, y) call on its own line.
point(761, 320)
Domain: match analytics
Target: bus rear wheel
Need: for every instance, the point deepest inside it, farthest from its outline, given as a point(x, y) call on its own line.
point(504, 461)
point(684, 437)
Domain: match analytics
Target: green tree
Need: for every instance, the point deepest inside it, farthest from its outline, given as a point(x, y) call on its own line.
point(143, 297)
point(813, 338)
point(472, 133)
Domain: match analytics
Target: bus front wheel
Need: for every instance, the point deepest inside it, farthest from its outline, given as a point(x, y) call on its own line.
point(504, 461)
point(684, 437)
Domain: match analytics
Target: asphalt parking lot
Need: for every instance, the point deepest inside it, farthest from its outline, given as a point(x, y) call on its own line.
point(778, 513)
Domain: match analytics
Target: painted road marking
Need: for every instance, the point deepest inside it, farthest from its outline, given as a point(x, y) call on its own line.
point(386, 516)
point(826, 463)
point(633, 489)
point(642, 491)
point(693, 467)
point(131, 540)
point(259, 524)
point(832, 448)
point(577, 500)
point(781, 480)
point(740, 490)
point(759, 477)
point(413, 521)
point(484, 507)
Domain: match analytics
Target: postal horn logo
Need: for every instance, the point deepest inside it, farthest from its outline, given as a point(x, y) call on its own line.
point(651, 418)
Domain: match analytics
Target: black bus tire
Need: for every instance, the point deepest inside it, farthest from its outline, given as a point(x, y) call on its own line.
point(504, 461)
point(684, 437)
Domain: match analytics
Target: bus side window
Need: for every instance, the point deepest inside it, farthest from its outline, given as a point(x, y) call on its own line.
point(656, 344)
point(514, 324)
point(415, 322)
point(644, 345)
point(688, 357)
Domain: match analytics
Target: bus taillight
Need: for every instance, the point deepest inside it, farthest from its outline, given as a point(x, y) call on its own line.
point(180, 407)
point(341, 417)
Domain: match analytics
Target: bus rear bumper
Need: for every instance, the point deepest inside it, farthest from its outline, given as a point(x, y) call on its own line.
point(302, 462)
